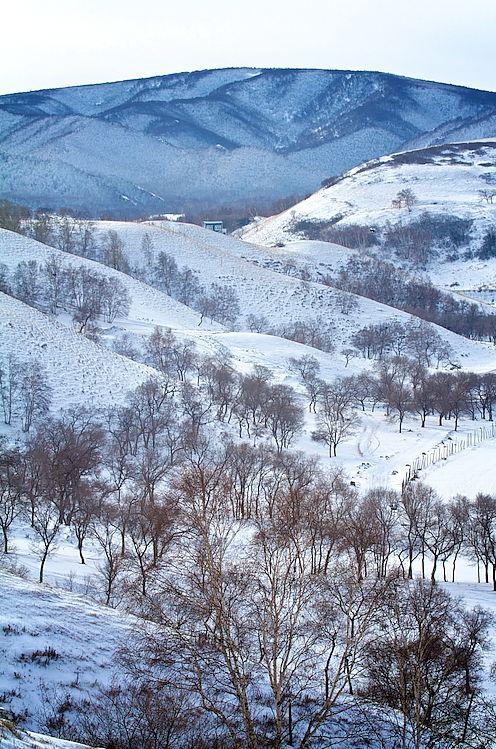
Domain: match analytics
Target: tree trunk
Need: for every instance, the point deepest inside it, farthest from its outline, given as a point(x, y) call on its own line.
point(434, 567)
point(5, 540)
point(42, 565)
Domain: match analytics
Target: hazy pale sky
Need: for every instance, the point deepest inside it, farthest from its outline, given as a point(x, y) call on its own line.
point(51, 43)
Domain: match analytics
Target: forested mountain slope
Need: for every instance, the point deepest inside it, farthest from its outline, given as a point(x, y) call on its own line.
point(163, 143)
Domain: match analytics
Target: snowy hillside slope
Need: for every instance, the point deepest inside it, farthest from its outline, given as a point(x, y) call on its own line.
point(275, 258)
point(253, 274)
point(149, 307)
point(446, 180)
point(83, 372)
point(84, 636)
point(260, 291)
point(275, 295)
point(216, 135)
point(471, 471)
point(79, 371)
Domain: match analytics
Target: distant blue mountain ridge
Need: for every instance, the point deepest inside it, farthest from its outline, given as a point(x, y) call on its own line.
point(219, 136)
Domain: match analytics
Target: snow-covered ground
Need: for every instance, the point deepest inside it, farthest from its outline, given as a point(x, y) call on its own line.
point(15, 738)
point(377, 455)
point(446, 180)
point(78, 370)
point(468, 472)
point(270, 291)
point(53, 643)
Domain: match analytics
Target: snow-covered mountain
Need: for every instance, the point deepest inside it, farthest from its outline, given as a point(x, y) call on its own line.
point(218, 135)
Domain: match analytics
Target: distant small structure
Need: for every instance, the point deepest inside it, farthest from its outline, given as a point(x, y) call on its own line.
point(217, 226)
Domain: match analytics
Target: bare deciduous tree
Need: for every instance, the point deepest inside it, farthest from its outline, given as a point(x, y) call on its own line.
point(46, 526)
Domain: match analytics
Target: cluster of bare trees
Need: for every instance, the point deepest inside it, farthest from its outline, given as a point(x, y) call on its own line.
point(423, 239)
point(74, 463)
point(241, 663)
point(417, 241)
point(276, 599)
point(12, 215)
point(98, 474)
point(77, 237)
point(55, 287)
point(264, 581)
point(66, 232)
point(415, 340)
point(255, 405)
point(116, 476)
point(107, 475)
point(354, 236)
point(402, 385)
point(487, 195)
point(405, 198)
point(104, 296)
point(25, 394)
point(381, 281)
point(90, 294)
point(217, 302)
point(447, 395)
point(314, 332)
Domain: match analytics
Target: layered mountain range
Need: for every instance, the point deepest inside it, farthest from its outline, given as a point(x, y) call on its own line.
point(218, 136)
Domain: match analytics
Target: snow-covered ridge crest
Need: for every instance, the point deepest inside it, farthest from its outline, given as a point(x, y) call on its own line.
point(454, 180)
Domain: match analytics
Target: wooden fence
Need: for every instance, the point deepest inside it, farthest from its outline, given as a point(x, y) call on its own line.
point(445, 449)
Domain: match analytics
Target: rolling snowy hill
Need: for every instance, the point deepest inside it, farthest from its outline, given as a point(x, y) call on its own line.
point(454, 188)
point(218, 135)
point(149, 307)
point(446, 180)
point(264, 288)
